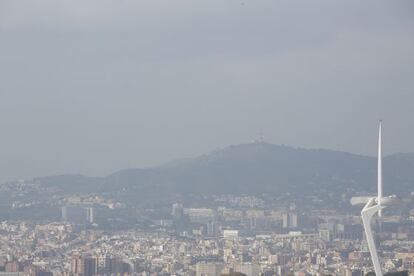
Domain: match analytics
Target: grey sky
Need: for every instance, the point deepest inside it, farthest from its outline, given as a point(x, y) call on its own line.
point(95, 86)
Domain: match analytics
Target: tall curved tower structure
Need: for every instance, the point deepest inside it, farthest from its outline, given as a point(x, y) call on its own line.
point(374, 205)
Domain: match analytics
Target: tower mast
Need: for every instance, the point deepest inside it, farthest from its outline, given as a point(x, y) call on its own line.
point(380, 196)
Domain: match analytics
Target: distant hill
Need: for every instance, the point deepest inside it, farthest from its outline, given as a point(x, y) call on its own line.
point(254, 168)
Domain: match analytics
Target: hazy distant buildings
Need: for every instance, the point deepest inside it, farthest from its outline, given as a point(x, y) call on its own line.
point(77, 214)
point(230, 234)
point(290, 220)
point(212, 228)
point(177, 211)
point(201, 215)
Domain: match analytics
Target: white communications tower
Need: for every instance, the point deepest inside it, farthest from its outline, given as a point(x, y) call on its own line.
point(372, 206)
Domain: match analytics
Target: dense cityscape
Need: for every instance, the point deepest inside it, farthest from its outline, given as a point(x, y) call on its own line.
point(251, 235)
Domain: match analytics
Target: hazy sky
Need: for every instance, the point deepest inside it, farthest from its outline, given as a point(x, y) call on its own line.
point(93, 86)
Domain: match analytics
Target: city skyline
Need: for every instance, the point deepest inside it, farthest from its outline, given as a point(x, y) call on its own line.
point(206, 138)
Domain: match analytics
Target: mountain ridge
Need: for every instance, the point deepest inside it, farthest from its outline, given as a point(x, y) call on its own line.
point(254, 168)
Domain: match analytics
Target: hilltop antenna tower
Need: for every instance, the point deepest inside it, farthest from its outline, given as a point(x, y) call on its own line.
point(261, 137)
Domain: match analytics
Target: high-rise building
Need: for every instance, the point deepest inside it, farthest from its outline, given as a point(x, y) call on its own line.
point(84, 266)
point(114, 266)
point(64, 213)
point(290, 220)
point(78, 214)
point(293, 220)
point(33, 270)
point(89, 215)
point(89, 266)
point(76, 265)
point(177, 211)
point(212, 228)
point(285, 220)
point(13, 266)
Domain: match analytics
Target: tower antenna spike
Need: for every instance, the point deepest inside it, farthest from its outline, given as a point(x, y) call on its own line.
point(380, 195)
